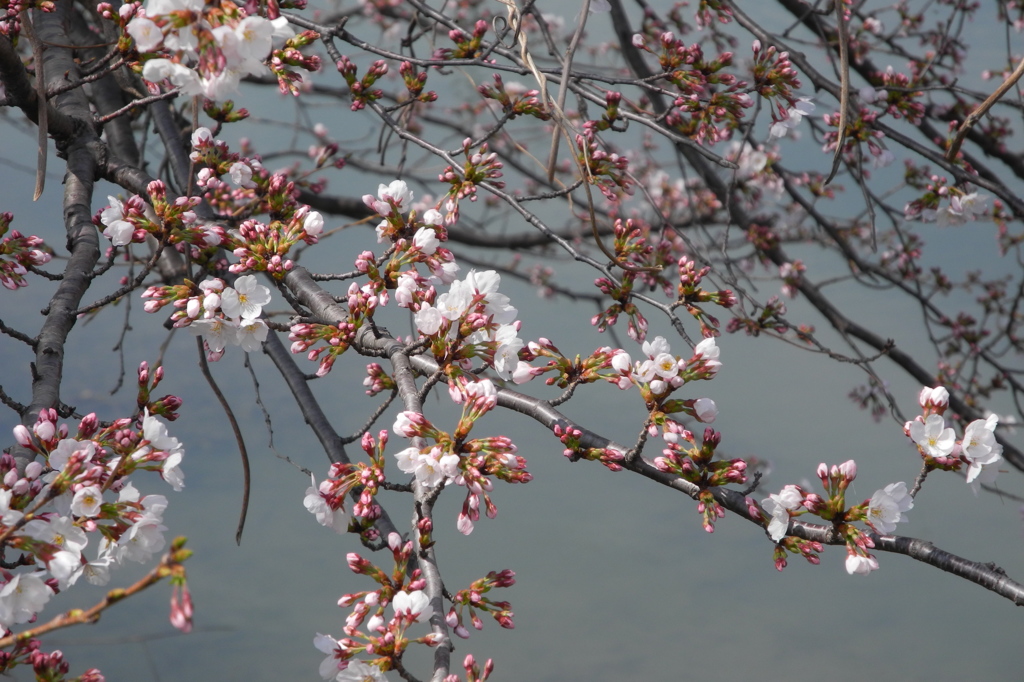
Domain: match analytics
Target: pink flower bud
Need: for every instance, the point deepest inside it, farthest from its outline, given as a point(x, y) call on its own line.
point(44, 429)
point(22, 435)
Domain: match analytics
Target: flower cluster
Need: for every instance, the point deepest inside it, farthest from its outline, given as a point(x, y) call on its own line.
point(327, 501)
point(963, 207)
point(790, 118)
point(661, 373)
point(515, 99)
point(473, 600)
point(774, 78)
point(882, 512)
point(369, 629)
point(17, 252)
point(683, 457)
point(79, 495)
point(455, 458)
point(132, 220)
point(223, 315)
point(362, 89)
point(978, 450)
point(472, 320)
point(204, 48)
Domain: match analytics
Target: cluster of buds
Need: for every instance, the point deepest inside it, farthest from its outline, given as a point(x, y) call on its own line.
point(566, 372)
point(414, 82)
point(631, 241)
point(621, 294)
point(248, 178)
point(484, 457)
point(611, 114)
point(775, 78)
point(900, 99)
point(377, 380)
point(808, 549)
point(164, 407)
point(709, 11)
point(609, 171)
point(472, 669)
point(472, 600)
point(711, 121)
point(769, 319)
point(362, 89)
point(338, 339)
point(260, 247)
point(571, 438)
point(697, 465)
point(515, 100)
point(17, 253)
point(466, 46)
point(692, 294)
point(249, 187)
point(285, 59)
point(480, 166)
point(860, 128)
point(904, 256)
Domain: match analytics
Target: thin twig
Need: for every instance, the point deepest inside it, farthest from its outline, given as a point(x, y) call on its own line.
point(205, 367)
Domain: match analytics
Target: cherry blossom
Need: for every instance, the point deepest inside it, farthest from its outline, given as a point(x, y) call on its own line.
point(887, 506)
point(932, 436)
point(87, 501)
point(358, 671)
point(246, 299)
point(979, 446)
point(22, 597)
point(857, 564)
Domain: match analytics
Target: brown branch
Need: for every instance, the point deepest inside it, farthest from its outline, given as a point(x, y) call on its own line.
point(168, 565)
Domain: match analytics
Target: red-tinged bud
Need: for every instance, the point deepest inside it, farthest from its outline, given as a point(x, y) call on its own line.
point(356, 563)
point(88, 426)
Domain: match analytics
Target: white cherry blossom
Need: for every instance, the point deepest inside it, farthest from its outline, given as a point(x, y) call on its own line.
point(887, 506)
